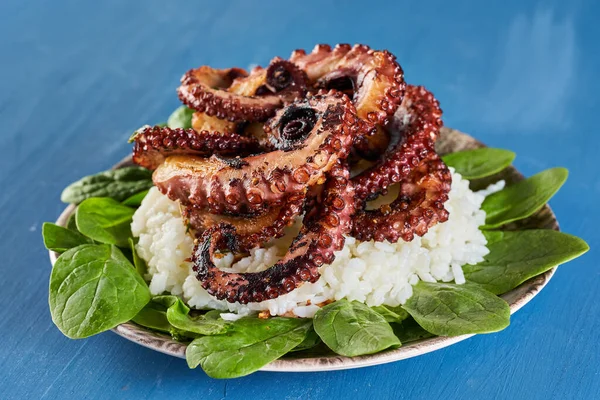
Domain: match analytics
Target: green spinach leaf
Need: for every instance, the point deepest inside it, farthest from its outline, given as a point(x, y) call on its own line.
point(479, 163)
point(391, 314)
point(181, 118)
point(178, 316)
point(249, 345)
point(105, 220)
point(447, 309)
point(93, 288)
point(117, 184)
point(153, 316)
point(409, 331)
point(59, 239)
point(166, 300)
point(522, 199)
point(71, 223)
point(516, 256)
point(353, 329)
point(136, 199)
point(213, 314)
point(311, 340)
point(138, 262)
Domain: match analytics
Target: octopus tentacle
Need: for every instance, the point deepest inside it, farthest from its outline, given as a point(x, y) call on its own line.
point(322, 60)
point(154, 144)
point(256, 130)
point(314, 197)
point(251, 231)
point(245, 85)
point(204, 122)
point(416, 123)
point(370, 147)
point(313, 134)
point(238, 97)
point(281, 77)
point(284, 79)
point(424, 178)
point(373, 78)
point(250, 84)
point(319, 238)
point(205, 89)
point(419, 205)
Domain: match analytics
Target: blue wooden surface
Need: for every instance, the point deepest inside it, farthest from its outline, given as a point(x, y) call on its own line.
point(78, 77)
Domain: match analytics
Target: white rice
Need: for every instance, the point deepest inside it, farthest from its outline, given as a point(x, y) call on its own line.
point(371, 272)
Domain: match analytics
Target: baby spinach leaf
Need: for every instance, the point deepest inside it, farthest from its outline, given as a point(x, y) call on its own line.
point(447, 309)
point(165, 300)
point(71, 224)
point(178, 316)
point(522, 199)
point(181, 118)
point(391, 314)
point(138, 262)
point(136, 199)
point(105, 220)
point(516, 256)
point(479, 163)
point(117, 184)
point(353, 329)
point(249, 345)
point(409, 331)
point(153, 316)
point(93, 288)
point(59, 239)
point(213, 314)
point(311, 340)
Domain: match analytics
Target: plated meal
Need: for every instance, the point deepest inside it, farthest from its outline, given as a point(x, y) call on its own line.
point(304, 208)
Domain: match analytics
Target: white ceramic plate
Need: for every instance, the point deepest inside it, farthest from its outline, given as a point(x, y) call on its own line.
point(450, 141)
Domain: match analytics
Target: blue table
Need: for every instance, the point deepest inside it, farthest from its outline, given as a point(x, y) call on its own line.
point(78, 77)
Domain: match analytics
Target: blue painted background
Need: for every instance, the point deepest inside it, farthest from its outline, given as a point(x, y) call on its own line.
point(77, 77)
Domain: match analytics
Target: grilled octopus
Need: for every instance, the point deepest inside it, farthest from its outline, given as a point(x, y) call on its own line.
point(271, 145)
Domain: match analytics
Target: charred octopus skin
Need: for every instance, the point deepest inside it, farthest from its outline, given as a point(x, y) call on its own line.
point(415, 128)
point(312, 133)
point(373, 79)
point(281, 78)
point(152, 145)
point(236, 96)
point(252, 231)
point(319, 238)
point(424, 178)
point(419, 205)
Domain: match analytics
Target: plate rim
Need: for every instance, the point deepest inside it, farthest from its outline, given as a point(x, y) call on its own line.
point(166, 345)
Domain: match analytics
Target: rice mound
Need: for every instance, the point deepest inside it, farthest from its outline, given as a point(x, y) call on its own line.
point(374, 273)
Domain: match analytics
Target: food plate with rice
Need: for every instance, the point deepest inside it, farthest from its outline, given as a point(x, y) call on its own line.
point(397, 236)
